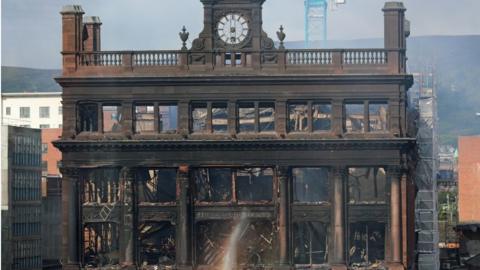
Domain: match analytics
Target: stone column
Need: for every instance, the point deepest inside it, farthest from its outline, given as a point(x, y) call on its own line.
point(284, 217)
point(127, 238)
point(70, 219)
point(338, 238)
point(395, 174)
point(183, 228)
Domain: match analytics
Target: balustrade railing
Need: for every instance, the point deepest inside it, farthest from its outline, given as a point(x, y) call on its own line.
point(338, 59)
point(101, 59)
point(364, 57)
point(309, 57)
point(155, 58)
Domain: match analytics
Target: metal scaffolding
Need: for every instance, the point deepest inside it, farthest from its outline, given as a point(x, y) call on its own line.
point(426, 209)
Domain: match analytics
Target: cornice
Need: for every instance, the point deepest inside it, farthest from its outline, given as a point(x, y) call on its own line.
point(228, 80)
point(225, 145)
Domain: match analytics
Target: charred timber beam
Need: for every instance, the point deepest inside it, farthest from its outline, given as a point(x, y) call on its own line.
point(183, 231)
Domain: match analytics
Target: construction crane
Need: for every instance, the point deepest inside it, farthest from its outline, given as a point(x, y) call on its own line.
point(316, 19)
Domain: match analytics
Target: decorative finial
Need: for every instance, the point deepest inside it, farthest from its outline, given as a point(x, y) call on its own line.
point(281, 36)
point(184, 37)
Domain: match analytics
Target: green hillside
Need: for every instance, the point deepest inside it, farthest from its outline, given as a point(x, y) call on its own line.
point(18, 79)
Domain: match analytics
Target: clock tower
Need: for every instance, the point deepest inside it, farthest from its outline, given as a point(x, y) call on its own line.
point(232, 25)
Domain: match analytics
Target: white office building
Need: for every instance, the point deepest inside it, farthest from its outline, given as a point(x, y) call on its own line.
point(33, 110)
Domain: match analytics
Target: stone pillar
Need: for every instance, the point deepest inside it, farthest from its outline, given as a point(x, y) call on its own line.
point(284, 217)
point(72, 28)
point(127, 238)
point(337, 259)
point(183, 228)
point(70, 219)
point(337, 117)
point(395, 174)
point(92, 29)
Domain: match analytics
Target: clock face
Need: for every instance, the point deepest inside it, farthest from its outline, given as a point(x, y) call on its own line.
point(232, 28)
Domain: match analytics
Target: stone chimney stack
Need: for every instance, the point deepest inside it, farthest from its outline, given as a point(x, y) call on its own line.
point(92, 30)
point(396, 31)
point(72, 28)
point(395, 34)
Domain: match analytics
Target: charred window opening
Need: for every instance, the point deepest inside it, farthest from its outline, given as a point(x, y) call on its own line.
point(219, 117)
point(256, 117)
point(199, 117)
point(167, 118)
point(310, 240)
point(88, 115)
point(266, 116)
point(101, 244)
point(255, 245)
point(156, 185)
point(254, 184)
point(367, 243)
point(367, 185)
point(298, 117)
point(354, 117)
point(378, 116)
point(112, 115)
point(213, 185)
point(101, 186)
point(156, 243)
point(144, 118)
point(246, 117)
point(322, 116)
point(310, 185)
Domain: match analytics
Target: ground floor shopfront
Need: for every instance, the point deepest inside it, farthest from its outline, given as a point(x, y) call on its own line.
point(298, 207)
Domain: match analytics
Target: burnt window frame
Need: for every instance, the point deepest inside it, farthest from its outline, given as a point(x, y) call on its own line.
point(209, 105)
point(134, 114)
point(138, 183)
point(115, 192)
point(309, 104)
point(233, 188)
point(326, 203)
point(116, 243)
point(327, 229)
point(379, 212)
point(138, 240)
point(377, 203)
point(387, 116)
point(120, 120)
point(96, 125)
point(157, 116)
point(257, 124)
point(366, 115)
point(367, 222)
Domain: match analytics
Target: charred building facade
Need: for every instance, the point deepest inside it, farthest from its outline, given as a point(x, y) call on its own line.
point(236, 151)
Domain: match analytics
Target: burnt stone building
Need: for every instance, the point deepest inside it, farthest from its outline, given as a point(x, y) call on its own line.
point(236, 151)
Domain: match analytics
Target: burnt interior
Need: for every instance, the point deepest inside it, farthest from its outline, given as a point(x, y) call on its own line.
point(256, 244)
point(101, 244)
point(156, 242)
point(367, 243)
point(310, 243)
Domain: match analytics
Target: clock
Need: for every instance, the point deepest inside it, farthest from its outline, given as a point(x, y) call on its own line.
point(232, 28)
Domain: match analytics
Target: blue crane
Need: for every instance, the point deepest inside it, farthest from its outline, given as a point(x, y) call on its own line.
point(316, 19)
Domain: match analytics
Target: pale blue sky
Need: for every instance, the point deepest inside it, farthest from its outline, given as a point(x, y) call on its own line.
point(31, 28)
